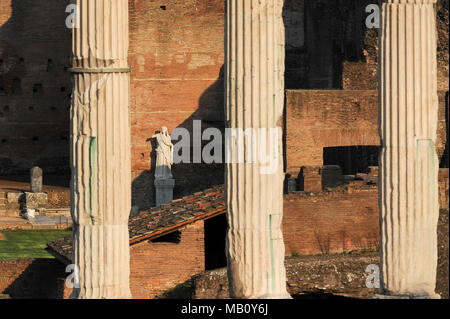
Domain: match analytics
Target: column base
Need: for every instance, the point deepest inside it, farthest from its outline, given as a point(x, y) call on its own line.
point(116, 292)
point(275, 296)
point(381, 296)
point(101, 255)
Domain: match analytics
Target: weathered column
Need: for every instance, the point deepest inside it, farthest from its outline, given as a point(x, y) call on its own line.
point(254, 183)
point(100, 154)
point(409, 164)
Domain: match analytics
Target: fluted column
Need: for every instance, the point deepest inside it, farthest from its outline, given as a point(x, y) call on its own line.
point(409, 164)
point(254, 183)
point(100, 153)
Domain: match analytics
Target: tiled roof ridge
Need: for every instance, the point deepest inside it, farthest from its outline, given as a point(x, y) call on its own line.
point(161, 220)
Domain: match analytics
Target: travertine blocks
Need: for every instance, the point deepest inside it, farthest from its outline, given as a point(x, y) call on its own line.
point(409, 164)
point(254, 103)
point(100, 154)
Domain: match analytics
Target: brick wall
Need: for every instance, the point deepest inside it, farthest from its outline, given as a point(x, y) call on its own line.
point(443, 182)
point(34, 86)
point(331, 222)
point(31, 278)
point(176, 55)
point(326, 118)
point(344, 219)
point(157, 267)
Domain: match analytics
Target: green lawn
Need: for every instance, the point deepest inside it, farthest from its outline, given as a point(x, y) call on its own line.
point(28, 243)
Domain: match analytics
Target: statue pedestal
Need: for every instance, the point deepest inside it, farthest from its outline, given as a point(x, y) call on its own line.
point(164, 191)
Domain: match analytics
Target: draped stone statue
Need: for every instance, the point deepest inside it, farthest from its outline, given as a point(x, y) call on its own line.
point(164, 182)
point(164, 155)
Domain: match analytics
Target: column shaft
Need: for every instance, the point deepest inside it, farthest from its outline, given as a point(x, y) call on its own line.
point(409, 165)
point(254, 181)
point(100, 153)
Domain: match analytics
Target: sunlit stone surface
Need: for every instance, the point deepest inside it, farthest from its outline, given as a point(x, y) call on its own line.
point(409, 164)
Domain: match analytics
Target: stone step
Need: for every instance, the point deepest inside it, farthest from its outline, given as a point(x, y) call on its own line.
point(9, 212)
point(64, 212)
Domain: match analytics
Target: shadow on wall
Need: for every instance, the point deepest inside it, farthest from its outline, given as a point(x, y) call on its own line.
point(35, 48)
point(41, 279)
point(189, 177)
point(320, 36)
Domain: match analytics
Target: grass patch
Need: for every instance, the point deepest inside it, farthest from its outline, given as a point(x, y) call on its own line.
point(28, 243)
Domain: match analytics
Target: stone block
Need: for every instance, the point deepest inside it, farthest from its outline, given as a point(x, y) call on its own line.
point(35, 200)
point(291, 184)
point(15, 198)
point(373, 170)
point(331, 176)
point(310, 179)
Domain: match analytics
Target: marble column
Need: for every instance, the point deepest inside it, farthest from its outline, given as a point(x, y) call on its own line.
point(100, 153)
point(254, 185)
point(409, 165)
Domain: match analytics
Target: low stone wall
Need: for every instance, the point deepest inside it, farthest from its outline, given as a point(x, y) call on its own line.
point(59, 199)
point(343, 220)
point(14, 224)
point(341, 275)
point(51, 203)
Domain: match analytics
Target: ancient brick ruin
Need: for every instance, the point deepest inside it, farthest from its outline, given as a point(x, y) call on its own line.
point(177, 59)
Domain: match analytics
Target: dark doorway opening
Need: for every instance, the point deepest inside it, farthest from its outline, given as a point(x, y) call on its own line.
point(174, 238)
point(352, 159)
point(215, 235)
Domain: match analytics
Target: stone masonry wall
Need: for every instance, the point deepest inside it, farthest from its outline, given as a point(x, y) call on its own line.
point(331, 222)
point(325, 118)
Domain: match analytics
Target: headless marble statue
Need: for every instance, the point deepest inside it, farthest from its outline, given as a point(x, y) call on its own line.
point(164, 155)
point(164, 182)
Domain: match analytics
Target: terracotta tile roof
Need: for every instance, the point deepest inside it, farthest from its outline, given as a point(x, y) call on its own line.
point(160, 221)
